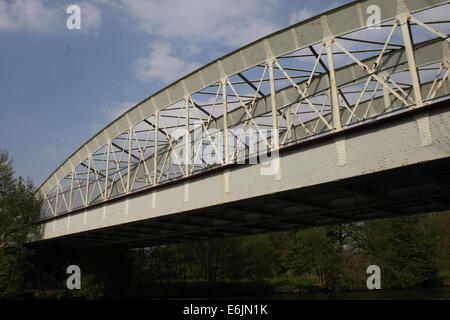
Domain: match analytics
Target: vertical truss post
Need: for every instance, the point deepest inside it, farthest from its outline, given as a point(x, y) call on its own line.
point(71, 190)
point(276, 137)
point(386, 92)
point(88, 180)
point(334, 91)
point(288, 122)
point(407, 39)
point(105, 196)
point(130, 146)
point(251, 145)
point(155, 151)
point(225, 121)
point(187, 142)
point(56, 200)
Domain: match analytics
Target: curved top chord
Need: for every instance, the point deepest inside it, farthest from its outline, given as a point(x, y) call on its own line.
point(313, 78)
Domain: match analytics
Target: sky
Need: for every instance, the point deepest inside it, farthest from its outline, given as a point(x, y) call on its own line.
point(60, 86)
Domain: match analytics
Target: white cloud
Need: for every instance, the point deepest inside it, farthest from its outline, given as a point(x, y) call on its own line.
point(191, 49)
point(27, 15)
point(91, 18)
point(109, 112)
point(301, 15)
point(233, 23)
point(45, 17)
point(306, 12)
point(112, 112)
point(161, 63)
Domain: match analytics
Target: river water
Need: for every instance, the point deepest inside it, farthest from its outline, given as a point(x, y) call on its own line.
point(414, 294)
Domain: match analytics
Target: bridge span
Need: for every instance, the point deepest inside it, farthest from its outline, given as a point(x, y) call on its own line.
point(312, 125)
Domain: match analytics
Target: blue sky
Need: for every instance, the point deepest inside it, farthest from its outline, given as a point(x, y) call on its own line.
point(59, 87)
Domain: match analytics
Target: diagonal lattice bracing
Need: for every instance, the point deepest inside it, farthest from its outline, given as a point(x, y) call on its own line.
point(290, 87)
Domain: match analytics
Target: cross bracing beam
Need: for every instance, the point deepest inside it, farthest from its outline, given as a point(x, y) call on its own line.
point(381, 196)
point(426, 54)
point(154, 168)
point(376, 105)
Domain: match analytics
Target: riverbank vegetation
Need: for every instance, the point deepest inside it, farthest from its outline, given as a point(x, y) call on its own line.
point(411, 251)
point(18, 210)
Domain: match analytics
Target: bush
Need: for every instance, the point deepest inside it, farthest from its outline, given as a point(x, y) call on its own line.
point(405, 250)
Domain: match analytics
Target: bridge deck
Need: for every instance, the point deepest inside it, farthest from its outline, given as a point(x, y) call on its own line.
point(385, 170)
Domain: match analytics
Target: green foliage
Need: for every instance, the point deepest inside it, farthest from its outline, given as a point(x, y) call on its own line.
point(210, 257)
point(90, 288)
point(409, 250)
point(405, 250)
point(18, 210)
point(313, 250)
point(349, 236)
point(334, 257)
point(444, 274)
point(157, 263)
point(442, 223)
point(214, 260)
point(352, 271)
point(259, 258)
point(281, 244)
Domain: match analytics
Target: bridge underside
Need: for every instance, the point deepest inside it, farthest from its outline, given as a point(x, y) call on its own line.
point(362, 127)
point(414, 189)
point(389, 174)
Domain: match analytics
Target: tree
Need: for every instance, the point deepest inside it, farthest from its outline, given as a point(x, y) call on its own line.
point(210, 257)
point(281, 244)
point(18, 210)
point(442, 222)
point(259, 257)
point(348, 236)
point(405, 250)
point(313, 250)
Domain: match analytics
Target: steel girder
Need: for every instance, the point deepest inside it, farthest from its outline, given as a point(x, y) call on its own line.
point(316, 77)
